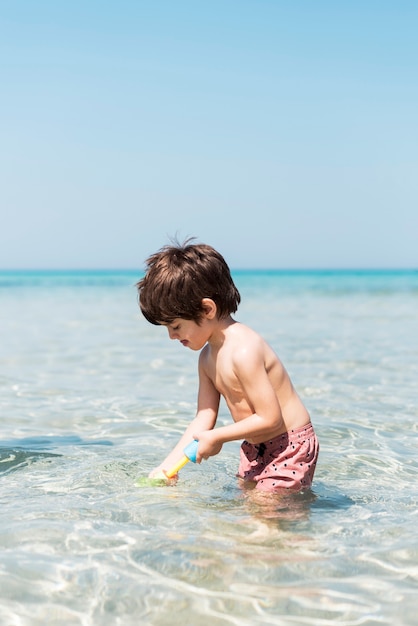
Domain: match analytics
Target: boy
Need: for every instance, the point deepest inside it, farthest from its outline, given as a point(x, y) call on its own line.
point(189, 289)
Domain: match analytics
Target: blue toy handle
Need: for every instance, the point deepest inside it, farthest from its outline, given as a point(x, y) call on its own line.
point(191, 450)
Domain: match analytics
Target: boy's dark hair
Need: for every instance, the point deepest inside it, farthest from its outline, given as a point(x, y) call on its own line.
point(177, 279)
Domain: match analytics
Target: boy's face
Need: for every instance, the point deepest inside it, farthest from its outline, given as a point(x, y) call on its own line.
point(189, 333)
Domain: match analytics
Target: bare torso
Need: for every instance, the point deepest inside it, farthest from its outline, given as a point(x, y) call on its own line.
point(225, 363)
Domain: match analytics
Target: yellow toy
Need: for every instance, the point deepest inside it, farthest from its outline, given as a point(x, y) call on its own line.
point(190, 452)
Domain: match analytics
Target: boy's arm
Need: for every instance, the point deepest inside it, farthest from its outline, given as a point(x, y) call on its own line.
point(205, 420)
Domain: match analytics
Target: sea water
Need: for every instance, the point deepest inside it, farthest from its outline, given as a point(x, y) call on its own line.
point(92, 397)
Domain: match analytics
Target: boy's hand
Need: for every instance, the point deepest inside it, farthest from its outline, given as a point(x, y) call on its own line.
point(156, 473)
point(156, 470)
point(208, 445)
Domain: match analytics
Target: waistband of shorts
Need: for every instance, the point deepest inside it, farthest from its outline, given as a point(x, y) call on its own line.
point(295, 434)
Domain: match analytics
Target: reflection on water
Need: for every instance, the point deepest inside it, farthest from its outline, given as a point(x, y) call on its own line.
point(17, 453)
point(275, 507)
point(12, 459)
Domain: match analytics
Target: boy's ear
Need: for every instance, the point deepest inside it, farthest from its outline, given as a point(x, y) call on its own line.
point(209, 308)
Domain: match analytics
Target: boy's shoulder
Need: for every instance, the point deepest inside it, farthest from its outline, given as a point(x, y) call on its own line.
point(242, 330)
point(245, 338)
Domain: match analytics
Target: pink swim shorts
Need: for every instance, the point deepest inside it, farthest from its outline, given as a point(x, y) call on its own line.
point(285, 462)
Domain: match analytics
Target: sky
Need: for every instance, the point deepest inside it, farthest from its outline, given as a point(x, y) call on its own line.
point(282, 132)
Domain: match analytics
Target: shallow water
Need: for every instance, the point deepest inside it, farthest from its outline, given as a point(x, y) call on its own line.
point(92, 397)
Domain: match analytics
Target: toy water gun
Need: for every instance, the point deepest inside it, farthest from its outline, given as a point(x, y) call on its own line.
point(190, 452)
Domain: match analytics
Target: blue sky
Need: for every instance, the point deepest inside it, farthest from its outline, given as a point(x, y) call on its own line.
point(284, 133)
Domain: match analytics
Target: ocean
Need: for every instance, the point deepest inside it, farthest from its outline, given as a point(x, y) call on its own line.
point(92, 397)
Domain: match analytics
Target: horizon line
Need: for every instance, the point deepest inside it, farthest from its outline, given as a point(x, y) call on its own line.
point(233, 269)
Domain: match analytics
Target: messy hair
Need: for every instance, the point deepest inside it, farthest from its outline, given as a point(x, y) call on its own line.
point(179, 276)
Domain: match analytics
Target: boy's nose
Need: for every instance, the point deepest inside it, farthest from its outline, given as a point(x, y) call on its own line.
point(171, 333)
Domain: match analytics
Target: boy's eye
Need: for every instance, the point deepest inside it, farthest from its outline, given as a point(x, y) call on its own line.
point(176, 327)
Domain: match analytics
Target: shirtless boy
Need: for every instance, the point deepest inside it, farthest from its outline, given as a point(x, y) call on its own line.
point(189, 289)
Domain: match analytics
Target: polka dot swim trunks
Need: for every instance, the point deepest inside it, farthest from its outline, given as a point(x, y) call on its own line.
point(285, 462)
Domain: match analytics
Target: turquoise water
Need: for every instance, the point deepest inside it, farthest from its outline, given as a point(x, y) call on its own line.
point(92, 397)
